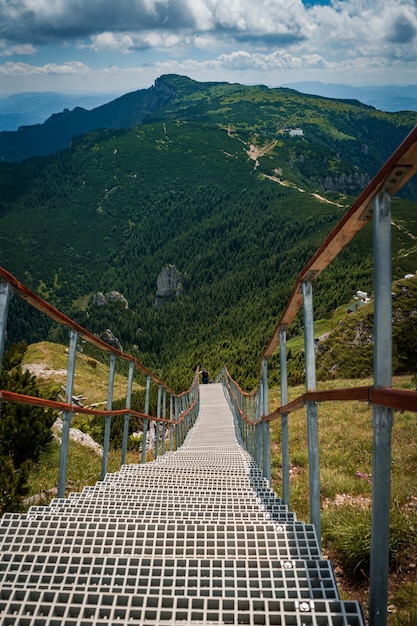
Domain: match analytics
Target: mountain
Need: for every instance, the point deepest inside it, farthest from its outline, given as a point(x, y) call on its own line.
point(258, 108)
point(58, 130)
point(213, 186)
point(30, 108)
point(391, 98)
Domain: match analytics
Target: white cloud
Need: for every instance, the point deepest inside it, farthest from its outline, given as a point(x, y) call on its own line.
point(26, 69)
point(236, 38)
point(20, 50)
point(112, 41)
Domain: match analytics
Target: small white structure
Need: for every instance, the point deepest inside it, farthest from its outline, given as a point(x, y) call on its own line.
point(296, 132)
point(361, 295)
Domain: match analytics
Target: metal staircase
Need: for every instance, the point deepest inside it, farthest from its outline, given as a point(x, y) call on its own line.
point(197, 537)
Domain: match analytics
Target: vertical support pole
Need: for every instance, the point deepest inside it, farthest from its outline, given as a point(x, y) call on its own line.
point(127, 416)
point(382, 416)
point(312, 416)
point(253, 427)
point(146, 421)
point(164, 414)
point(158, 414)
point(66, 415)
point(258, 440)
point(171, 411)
point(284, 419)
point(107, 423)
point(177, 427)
point(5, 295)
point(266, 444)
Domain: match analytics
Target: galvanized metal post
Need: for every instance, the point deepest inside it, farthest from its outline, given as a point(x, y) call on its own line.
point(158, 414)
point(253, 427)
point(382, 416)
point(107, 419)
point(245, 424)
point(164, 414)
point(146, 421)
point(312, 417)
point(258, 437)
point(5, 295)
point(183, 423)
point(177, 426)
point(171, 411)
point(66, 415)
point(284, 418)
point(127, 416)
point(266, 444)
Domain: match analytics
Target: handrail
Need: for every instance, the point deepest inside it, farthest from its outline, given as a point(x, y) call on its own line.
point(397, 399)
point(399, 168)
point(183, 407)
point(374, 202)
point(19, 398)
point(44, 307)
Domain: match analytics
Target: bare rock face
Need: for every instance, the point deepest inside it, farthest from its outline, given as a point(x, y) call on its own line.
point(100, 299)
point(168, 285)
point(111, 339)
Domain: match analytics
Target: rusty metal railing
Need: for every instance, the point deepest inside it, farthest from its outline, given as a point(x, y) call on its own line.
point(183, 408)
point(374, 202)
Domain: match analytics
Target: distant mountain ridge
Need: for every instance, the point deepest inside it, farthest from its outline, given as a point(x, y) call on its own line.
point(181, 98)
point(390, 98)
point(28, 108)
point(58, 130)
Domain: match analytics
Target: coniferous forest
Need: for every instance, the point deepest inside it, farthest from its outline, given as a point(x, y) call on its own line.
point(210, 180)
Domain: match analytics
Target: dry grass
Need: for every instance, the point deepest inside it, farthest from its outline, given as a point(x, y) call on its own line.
point(345, 449)
point(48, 361)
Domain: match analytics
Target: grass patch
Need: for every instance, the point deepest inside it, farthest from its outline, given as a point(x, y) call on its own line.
point(345, 455)
point(321, 326)
point(49, 361)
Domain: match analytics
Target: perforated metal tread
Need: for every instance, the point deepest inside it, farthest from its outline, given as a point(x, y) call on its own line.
point(197, 537)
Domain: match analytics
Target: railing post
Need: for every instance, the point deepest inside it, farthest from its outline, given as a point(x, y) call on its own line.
point(266, 444)
point(127, 416)
point(158, 414)
point(66, 415)
point(171, 411)
point(177, 426)
point(382, 416)
point(164, 414)
point(5, 295)
point(107, 423)
point(312, 414)
point(284, 418)
point(145, 421)
point(253, 427)
point(258, 438)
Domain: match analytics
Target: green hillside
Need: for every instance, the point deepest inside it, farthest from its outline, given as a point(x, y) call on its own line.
point(215, 186)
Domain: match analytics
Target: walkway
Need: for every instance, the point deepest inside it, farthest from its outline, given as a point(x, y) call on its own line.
point(197, 537)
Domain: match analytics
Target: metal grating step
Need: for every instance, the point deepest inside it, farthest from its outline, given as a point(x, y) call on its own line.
point(75, 608)
point(196, 537)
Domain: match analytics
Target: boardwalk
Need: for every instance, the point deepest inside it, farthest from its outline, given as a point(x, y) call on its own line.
point(197, 537)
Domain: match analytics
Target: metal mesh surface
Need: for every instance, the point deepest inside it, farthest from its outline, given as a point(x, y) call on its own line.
point(196, 537)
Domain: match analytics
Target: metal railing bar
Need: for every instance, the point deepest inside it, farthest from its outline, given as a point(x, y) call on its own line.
point(44, 307)
point(398, 399)
point(11, 396)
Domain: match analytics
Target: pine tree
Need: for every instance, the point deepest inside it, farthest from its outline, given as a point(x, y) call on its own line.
point(24, 432)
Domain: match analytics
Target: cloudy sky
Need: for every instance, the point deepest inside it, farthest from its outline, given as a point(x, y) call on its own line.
point(122, 45)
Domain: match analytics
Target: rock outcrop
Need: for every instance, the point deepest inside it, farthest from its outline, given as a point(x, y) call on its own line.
point(168, 285)
point(101, 299)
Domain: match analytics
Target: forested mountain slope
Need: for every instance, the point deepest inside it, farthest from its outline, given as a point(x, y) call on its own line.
point(358, 133)
point(230, 198)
